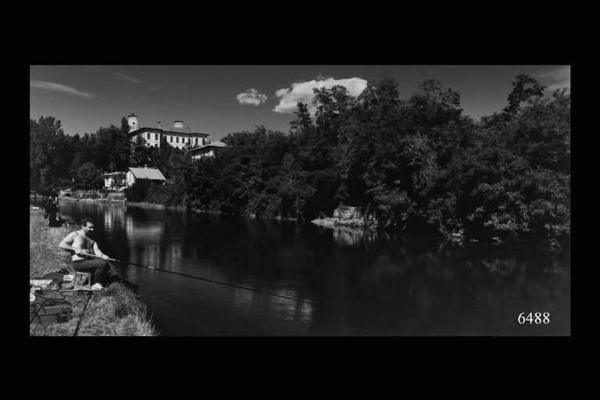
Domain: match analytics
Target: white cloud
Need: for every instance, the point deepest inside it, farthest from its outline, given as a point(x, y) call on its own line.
point(251, 97)
point(557, 78)
point(57, 87)
point(281, 92)
point(302, 92)
point(127, 78)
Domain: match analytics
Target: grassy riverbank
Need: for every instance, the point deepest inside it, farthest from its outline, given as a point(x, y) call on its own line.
point(114, 311)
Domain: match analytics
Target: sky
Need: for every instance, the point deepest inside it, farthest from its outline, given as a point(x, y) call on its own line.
point(223, 99)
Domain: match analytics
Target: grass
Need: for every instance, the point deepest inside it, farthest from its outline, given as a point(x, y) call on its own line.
point(114, 311)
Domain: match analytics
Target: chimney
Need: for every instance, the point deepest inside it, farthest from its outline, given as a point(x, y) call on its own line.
point(159, 125)
point(178, 124)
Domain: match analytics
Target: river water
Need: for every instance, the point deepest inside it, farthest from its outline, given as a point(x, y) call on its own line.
point(335, 282)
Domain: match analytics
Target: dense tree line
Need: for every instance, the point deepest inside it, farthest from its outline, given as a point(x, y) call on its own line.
point(417, 164)
point(58, 160)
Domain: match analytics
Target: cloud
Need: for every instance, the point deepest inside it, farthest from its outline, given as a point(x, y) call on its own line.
point(321, 77)
point(127, 78)
point(57, 87)
point(251, 97)
point(557, 78)
point(303, 92)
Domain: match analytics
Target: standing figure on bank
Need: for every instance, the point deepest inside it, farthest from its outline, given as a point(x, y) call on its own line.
point(81, 244)
point(47, 207)
point(54, 219)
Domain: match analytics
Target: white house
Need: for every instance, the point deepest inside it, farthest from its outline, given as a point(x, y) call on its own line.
point(207, 150)
point(145, 173)
point(115, 180)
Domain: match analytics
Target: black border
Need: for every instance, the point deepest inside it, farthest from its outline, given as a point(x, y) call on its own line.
point(446, 50)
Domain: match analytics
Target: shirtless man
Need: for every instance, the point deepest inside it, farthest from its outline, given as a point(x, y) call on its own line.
point(81, 244)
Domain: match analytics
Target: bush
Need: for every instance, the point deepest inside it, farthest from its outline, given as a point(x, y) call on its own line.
point(167, 194)
point(137, 192)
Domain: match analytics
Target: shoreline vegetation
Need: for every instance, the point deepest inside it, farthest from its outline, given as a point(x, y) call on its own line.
point(414, 164)
point(354, 223)
point(92, 200)
point(114, 311)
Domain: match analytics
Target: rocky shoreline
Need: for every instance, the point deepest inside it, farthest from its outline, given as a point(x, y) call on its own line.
point(347, 217)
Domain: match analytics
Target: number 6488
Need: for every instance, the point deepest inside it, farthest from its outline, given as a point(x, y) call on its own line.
point(534, 318)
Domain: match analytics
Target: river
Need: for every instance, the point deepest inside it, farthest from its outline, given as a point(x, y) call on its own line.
point(334, 282)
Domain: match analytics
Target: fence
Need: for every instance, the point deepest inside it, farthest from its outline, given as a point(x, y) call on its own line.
point(79, 194)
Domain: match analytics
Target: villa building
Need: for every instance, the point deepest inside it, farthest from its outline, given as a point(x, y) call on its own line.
point(178, 136)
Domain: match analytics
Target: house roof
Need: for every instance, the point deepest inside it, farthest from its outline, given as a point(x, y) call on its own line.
point(215, 144)
point(147, 173)
point(114, 173)
point(176, 132)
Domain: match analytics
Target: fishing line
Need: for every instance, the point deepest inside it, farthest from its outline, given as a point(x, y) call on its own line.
point(217, 282)
point(203, 279)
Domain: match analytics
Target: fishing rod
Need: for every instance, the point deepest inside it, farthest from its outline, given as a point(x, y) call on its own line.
point(200, 278)
point(87, 300)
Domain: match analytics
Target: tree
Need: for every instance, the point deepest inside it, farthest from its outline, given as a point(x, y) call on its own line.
point(49, 155)
point(541, 132)
point(303, 122)
point(122, 146)
point(141, 154)
point(516, 180)
point(524, 88)
point(84, 151)
point(369, 143)
point(88, 176)
point(112, 147)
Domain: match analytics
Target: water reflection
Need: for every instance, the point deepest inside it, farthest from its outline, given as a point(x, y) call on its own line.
point(173, 253)
point(383, 268)
point(290, 309)
point(143, 231)
point(244, 299)
point(114, 218)
point(352, 237)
